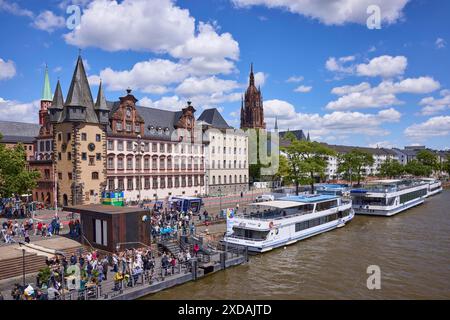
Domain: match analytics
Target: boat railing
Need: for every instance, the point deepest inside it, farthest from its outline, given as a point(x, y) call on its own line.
point(243, 238)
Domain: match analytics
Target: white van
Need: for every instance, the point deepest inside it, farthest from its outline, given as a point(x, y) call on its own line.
point(264, 197)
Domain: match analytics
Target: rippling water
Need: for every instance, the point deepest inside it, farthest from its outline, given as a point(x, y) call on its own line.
point(412, 250)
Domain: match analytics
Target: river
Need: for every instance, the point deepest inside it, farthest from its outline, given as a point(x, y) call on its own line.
point(412, 250)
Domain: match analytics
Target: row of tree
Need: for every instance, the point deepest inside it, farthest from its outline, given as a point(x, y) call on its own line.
point(305, 163)
point(15, 178)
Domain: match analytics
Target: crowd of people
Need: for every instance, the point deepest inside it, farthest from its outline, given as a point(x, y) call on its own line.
point(14, 208)
point(90, 270)
point(12, 230)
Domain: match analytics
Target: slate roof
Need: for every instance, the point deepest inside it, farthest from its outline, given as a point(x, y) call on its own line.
point(214, 118)
point(299, 134)
point(14, 132)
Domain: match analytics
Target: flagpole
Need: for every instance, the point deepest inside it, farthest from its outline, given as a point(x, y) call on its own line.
point(55, 191)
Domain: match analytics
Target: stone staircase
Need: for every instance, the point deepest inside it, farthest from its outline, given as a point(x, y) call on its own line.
point(170, 245)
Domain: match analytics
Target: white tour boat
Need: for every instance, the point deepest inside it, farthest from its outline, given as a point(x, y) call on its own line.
point(287, 220)
point(434, 186)
point(388, 197)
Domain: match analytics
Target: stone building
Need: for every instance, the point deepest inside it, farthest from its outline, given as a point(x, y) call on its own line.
point(226, 155)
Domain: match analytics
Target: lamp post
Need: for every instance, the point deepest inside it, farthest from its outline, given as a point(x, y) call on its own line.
point(139, 150)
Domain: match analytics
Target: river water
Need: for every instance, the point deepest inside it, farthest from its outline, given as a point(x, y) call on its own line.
point(412, 250)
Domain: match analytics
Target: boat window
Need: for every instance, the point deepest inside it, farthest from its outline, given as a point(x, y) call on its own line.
point(412, 195)
point(390, 201)
point(250, 234)
point(326, 205)
point(369, 201)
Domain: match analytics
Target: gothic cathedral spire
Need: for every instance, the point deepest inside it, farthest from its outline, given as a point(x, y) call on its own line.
point(252, 111)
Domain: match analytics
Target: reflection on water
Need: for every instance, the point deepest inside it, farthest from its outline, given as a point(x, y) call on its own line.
point(412, 249)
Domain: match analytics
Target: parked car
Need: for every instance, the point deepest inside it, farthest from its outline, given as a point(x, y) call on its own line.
point(264, 197)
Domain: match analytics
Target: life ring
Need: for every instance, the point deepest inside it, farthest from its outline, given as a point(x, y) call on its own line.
point(271, 224)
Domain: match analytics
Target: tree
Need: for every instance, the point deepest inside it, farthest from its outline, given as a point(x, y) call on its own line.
point(428, 159)
point(305, 161)
point(15, 178)
point(446, 166)
point(353, 163)
point(283, 168)
point(391, 168)
point(417, 169)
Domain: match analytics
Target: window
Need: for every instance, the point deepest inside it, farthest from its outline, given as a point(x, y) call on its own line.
point(162, 183)
point(147, 183)
point(83, 137)
point(169, 182)
point(68, 136)
point(59, 136)
point(69, 175)
point(129, 146)
point(169, 148)
point(155, 182)
point(91, 160)
point(183, 181)
point(169, 163)
point(202, 180)
point(146, 147)
point(162, 147)
point(129, 163)
point(128, 126)
point(161, 164)
point(110, 145)
point(69, 156)
point(111, 163)
point(119, 126)
point(121, 185)
point(41, 146)
point(47, 173)
point(83, 156)
point(138, 163)
point(130, 184)
point(94, 175)
point(146, 163)
point(120, 145)
point(98, 156)
point(60, 175)
point(98, 138)
point(214, 180)
point(137, 128)
point(120, 163)
point(155, 163)
point(189, 181)
point(177, 181)
point(154, 147)
point(213, 164)
point(59, 155)
point(111, 185)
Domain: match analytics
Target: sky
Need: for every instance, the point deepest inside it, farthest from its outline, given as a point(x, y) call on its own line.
point(353, 72)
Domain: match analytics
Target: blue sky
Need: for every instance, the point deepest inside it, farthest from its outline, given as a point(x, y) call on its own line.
point(320, 67)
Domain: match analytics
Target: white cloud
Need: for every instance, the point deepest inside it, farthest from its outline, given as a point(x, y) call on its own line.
point(334, 12)
point(260, 79)
point(433, 106)
point(295, 79)
point(440, 43)
point(384, 66)
point(303, 89)
point(340, 65)
point(335, 123)
point(194, 86)
point(172, 103)
point(11, 110)
point(157, 26)
point(48, 21)
point(7, 69)
point(384, 95)
point(14, 9)
point(433, 127)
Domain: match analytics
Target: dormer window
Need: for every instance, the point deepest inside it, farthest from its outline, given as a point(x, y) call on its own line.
point(166, 131)
point(137, 128)
point(152, 129)
point(128, 127)
point(128, 112)
point(119, 126)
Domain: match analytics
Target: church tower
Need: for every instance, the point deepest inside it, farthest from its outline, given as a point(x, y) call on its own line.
point(252, 112)
point(46, 100)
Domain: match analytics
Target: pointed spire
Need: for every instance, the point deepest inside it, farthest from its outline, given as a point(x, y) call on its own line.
point(58, 99)
point(101, 101)
point(252, 76)
point(46, 92)
point(307, 138)
point(276, 124)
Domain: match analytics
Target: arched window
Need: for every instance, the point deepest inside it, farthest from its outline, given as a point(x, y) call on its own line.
point(214, 180)
point(225, 179)
point(94, 175)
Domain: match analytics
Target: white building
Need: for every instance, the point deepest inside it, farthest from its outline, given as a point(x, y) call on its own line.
point(226, 155)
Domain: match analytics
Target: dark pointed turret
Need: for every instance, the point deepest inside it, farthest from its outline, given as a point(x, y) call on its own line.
point(101, 108)
point(57, 106)
point(307, 138)
point(252, 112)
point(79, 103)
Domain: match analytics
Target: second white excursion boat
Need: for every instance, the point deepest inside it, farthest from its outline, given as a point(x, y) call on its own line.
point(388, 197)
point(287, 220)
point(434, 186)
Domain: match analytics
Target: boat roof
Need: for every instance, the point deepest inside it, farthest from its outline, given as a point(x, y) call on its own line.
point(278, 204)
point(385, 181)
point(333, 186)
point(310, 198)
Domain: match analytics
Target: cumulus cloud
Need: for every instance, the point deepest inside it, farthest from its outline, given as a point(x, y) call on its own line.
point(295, 79)
point(384, 66)
point(440, 43)
point(335, 123)
point(194, 86)
point(433, 106)
point(340, 65)
point(260, 79)
point(172, 103)
point(433, 127)
point(12, 110)
point(384, 95)
point(48, 21)
point(14, 8)
point(7, 69)
point(334, 12)
point(303, 89)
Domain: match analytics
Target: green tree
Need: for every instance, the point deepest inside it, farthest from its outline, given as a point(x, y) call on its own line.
point(446, 165)
point(283, 168)
point(15, 178)
point(428, 159)
point(391, 168)
point(305, 160)
point(351, 164)
point(417, 168)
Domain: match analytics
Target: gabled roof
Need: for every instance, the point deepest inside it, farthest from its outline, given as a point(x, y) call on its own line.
point(14, 132)
point(299, 134)
point(214, 118)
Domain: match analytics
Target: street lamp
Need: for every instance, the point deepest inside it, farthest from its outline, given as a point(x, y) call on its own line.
point(139, 149)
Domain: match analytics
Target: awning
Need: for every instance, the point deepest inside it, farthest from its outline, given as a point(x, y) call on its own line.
point(278, 204)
